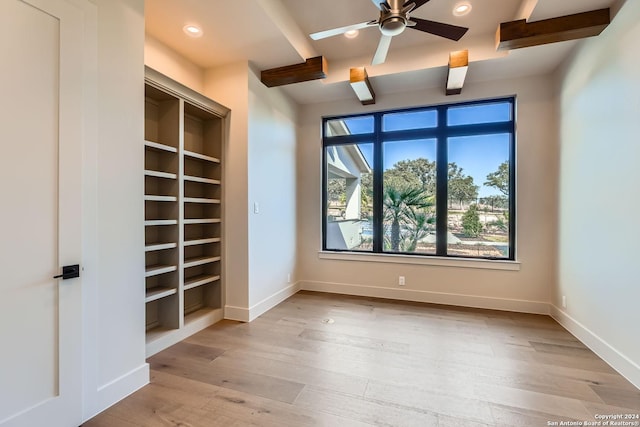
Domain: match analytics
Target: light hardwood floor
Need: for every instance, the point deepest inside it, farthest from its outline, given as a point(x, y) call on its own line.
point(328, 360)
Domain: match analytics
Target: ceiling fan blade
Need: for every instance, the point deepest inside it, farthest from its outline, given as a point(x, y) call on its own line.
point(377, 3)
point(381, 52)
point(447, 31)
point(337, 31)
point(418, 3)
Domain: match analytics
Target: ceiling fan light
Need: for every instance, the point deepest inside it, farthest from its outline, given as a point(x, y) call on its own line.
point(461, 9)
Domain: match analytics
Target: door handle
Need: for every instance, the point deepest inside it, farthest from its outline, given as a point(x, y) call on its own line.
point(69, 272)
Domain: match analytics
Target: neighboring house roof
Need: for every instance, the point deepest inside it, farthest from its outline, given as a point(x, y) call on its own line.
point(345, 160)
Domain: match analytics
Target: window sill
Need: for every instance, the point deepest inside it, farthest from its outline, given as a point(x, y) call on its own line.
point(483, 264)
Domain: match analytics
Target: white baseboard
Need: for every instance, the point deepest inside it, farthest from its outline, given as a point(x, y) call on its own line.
point(618, 361)
point(116, 390)
point(273, 300)
point(243, 314)
point(240, 314)
point(474, 301)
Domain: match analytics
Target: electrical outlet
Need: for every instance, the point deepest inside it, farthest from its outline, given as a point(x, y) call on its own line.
point(289, 278)
point(401, 281)
point(564, 301)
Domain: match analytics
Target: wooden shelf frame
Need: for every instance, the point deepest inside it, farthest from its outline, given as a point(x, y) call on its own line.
point(154, 198)
point(197, 261)
point(160, 147)
point(154, 294)
point(183, 181)
point(192, 221)
point(202, 180)
point(197, 281)
point(202, 200)
point(205, 241)
point(160, 222)
point(160, 174)
point(160, 246)
point(199, 156)
point(155, 270)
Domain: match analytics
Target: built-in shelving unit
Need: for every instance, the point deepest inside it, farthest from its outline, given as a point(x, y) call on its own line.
point(184, 134)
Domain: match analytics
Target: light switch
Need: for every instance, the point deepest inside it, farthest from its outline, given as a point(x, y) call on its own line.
point(256, 208)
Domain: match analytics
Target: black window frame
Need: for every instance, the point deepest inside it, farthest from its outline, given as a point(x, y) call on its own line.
point(441, 133)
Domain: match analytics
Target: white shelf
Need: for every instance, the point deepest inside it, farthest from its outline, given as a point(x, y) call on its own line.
point(201, 156)
point(201, 180)
point(196, 242)
point(160, 147)
point(160, 222)
point(202, 221)
point(160, 246)
point(158, 174)
point(155, 270)
point(153, 198)
point(201, 200)
point(154, 294)
point(199, 281)
point(193, 262)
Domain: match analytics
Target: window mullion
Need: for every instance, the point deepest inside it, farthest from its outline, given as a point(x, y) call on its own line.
point(378, 191)
point(442, 186)
point(512, 185)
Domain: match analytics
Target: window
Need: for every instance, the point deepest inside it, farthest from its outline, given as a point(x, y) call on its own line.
point(423, 181)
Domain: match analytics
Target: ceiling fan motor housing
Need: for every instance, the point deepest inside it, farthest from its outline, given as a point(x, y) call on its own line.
point(392, 24)
point(394, 17)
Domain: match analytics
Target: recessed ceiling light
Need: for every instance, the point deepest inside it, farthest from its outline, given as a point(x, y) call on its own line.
point(462, 9)
point(192, 30)
point(351, 34)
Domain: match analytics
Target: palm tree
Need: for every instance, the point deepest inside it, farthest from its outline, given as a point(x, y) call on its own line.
point(418, 228)
point(401, 205)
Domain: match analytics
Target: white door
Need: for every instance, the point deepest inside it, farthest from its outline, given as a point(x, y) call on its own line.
point(41, 124)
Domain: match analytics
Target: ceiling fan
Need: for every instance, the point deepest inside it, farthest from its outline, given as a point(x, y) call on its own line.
point(394, 18)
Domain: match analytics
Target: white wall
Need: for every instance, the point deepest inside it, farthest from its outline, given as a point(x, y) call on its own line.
point(259, 167)
point(164, 59)
point(272, 184)
point(229, 85)
point(529, 289)
point(599, 203)
point(113, 303)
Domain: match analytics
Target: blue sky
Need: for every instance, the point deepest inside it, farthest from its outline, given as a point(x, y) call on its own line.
point(477, 155)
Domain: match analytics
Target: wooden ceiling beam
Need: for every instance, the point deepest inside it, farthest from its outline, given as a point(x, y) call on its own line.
point(457, 71)
point(311, 69)
point(518, 34)
point(359, 81)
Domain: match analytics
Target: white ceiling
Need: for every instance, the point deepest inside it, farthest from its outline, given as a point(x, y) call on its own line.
point(274, 33)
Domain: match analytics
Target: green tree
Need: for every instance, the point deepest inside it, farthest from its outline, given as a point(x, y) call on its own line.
point(417, 229)
point(400, 206)
point(500, 179)
point(471, 222)
point(413, 173)
point(461, 186)
point(495, 201)
point(366, 195)
point(337, 190)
